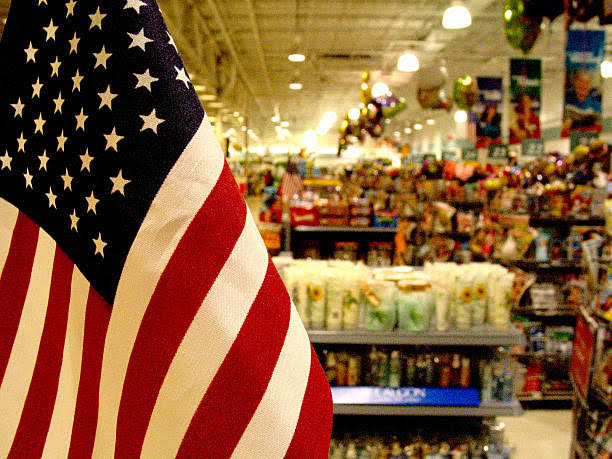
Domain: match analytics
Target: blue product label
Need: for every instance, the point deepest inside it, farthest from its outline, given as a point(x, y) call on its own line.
point(423, 396)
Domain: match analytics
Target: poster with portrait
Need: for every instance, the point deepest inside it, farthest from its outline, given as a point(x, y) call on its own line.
point(583, 56)
point(487, 114)
point(525, 99)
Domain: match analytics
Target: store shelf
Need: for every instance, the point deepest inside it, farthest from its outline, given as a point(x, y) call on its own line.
point(455, 235)
point(477, 336)
point(539, 397)
point(557, 312)
point(541, 355)
point(489, 409)
point(541, 265)
point(342, 229)
point(567, 221)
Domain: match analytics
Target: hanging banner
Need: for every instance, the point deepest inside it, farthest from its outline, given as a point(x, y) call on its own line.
point(525, 93)
point(487, 112)
point(583, 57)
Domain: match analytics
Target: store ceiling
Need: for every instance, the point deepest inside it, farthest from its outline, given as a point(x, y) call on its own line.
point(236, 52)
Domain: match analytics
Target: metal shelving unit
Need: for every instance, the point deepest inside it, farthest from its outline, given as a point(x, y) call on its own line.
point(343, 229)
point(538, 396)
point(477, 336)
point(490, 409)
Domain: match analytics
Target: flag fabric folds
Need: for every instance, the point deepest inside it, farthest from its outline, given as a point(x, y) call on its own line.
point(140, 313)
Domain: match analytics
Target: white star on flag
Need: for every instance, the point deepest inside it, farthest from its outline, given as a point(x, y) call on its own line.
point(74, 220)
point(36, 87)
point(145, 80)
point(22, 141)
point(100, 245)
point(102, 57)
point(50, 29)
point(52, 197)
point(74, 43)
point(135, 4)
point(28, 178)
point(67, 179)
point(171, 42)
point(44, 159)
point(150, 121)
point(18, 108)
point(139, 40)
point(119, 183)
point(31, 53)
point(55, 67)
point(106, 98)
point(70, 8)
point(86, 161)
point(80, 119)
point(61, 141)
point(96, 19)
point(112, 140)
point(40, 123)
point(6, 161)
point(92, 202)
point(76, 81)
point(181, 75)
point(59, 102)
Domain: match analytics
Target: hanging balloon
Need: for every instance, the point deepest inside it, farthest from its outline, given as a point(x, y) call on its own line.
point(434, 99)
point(372, 112)
point(522, 31)
point(391, 105)
point(583, 10)
point(376, 130)
point(465, 92)
point(431, 77)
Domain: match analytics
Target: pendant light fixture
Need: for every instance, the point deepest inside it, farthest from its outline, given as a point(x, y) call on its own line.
point(457, 16)
point(408, 63)
point(606, 69)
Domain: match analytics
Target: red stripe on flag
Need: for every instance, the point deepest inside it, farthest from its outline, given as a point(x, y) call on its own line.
point(186, 280)
point(38, 408)
point(14, 284)
point(313, 431)
point(97, 317)
point(236, 390)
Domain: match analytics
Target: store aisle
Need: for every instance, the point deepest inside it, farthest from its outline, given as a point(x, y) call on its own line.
point(544, 434)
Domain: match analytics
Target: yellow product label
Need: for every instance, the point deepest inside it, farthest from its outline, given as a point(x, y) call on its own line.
point(315, 293)
point(466, 295)
point(480, 291)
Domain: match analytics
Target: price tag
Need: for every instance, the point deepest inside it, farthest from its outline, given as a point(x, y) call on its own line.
point(582, 138)
point(449, 156)
point(533, 147)
point(498, 152)
point(469, 154)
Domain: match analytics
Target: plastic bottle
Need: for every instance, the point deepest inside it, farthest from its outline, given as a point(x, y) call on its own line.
point(395, 370)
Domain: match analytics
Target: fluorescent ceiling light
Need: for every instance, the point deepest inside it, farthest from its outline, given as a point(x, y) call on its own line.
point(241, 119)
point(207, 97)
point(379, 90)
point(215, 104)
point(418, 126)
point(430, 122)
point(397, 134)
point(456, 17)
point(408, 131)
point(275, 119)
point(606, 69)
point(408, 63)
point(461, 116)
point(309, 140)
point(328, 120)
point(236, 114)
point(243, 128)
point(295, 85)
point(285, 124)
point(199, 88)
point(353, 114)
point(296, 57)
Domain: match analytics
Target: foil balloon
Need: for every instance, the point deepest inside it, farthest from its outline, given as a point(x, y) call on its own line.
point(434, 99)
point(430, 84)
point(365, 94)
point(431, 77)
point(522, 30)
point(376, 130)
point(391, 105)
point(465, 92)
point(372, 112)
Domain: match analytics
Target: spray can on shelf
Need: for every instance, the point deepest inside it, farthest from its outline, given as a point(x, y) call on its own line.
point(429, 371)
point(410, 371)
point(383, 369)
point(374, 364)
point(465, 373)
point(395, 370)
point(354, 370)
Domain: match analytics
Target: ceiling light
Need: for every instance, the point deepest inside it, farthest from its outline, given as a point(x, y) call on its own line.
point(275, 119)
point(207, 97)
point(295, 85)
point(215, 105)
point(199, 88)
point(397, 134)
point(430, 122)
point(380, 90)
point(353, 114)
point(236, 114)
point(408, 131)
point(408, 63)
point(456, 17)
point(461, 116)
point(606, 69)
point(309, 140)
point(297, 57)
point(285, 124)
point(243, 128)
point(241, 119)
point(328, 120)
point(418, 126)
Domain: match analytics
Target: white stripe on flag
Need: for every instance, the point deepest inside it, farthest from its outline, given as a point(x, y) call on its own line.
point(190, 181)
point(60, 429)
point(8, 218)
point(271, 429)
point(206, 343)
point(20, 368)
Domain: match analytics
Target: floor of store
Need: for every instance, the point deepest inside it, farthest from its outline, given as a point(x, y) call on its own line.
point(540, 433)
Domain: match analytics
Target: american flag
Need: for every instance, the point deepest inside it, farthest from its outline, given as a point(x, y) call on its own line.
point(140, 313)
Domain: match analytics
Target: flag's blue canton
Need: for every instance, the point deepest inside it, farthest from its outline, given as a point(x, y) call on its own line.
point(95, 108)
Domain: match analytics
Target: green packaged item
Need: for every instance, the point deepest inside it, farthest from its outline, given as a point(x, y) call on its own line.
point(414, 306)
point(380, 308)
